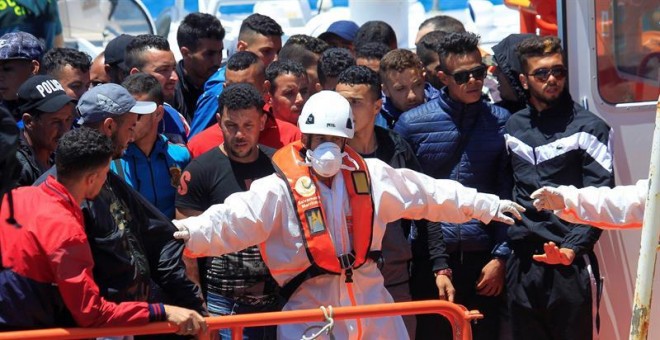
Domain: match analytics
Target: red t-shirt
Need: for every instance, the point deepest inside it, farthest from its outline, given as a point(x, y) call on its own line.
point(276, 134)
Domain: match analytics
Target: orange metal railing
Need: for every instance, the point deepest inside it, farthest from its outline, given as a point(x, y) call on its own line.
point(458, 316)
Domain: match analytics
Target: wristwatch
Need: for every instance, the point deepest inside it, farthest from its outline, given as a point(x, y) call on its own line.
point(446, 272)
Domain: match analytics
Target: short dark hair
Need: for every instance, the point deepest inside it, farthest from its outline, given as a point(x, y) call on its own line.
point(457, 44)
point(300, 54)
point(362, 75)
point(333, 62)
point(310, 43)
point(280, 67)
point(57, 58)
point(372, 50)
point(399, 60)
point(242, 60)
point(444, 23)
point(141, 43)
point(144, 83)
point(257, 23)
point(240, 96)
point(80, 151)
point(375, 31)
point(196, 26)
point(427, 47)
point(538, 47)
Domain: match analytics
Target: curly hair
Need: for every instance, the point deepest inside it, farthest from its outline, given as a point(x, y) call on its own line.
point(141, 43)
point(242, 60)
point(362, 75)
point(399, 60)
point(332, 62)
point(310, 43)
point(375, 31)
point(144, 83)
point(80, 151)
point(538, 47)
point(427, 47)
point(444, 23)
point(457, 44)
point(57, 58)
point(257, 23)
point(240, 96)
point(372, 50)
point(196, 26)
point(280, 67)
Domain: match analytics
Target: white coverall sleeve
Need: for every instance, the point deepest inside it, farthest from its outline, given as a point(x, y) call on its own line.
point(621, 207)
point(243, 220)
point(404, 193)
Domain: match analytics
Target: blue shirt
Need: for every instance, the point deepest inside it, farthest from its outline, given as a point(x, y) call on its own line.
point(207, 104)
point(156, 176)
point(173, 126)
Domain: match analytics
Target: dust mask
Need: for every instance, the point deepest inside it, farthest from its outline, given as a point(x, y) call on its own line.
point(326, 159)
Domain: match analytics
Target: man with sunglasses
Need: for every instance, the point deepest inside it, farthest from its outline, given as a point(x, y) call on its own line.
point(460, 136)
point(554, 141)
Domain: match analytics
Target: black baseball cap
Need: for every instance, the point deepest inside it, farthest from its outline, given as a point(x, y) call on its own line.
point(43, 93)
point(115, 50)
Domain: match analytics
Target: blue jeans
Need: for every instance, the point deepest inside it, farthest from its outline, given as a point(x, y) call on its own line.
point(220, 305)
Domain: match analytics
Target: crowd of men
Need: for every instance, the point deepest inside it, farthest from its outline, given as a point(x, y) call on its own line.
point(112, 149)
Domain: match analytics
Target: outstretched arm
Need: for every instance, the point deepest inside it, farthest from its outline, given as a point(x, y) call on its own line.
point(620, 207)
point(245, 219)
point(403, 193)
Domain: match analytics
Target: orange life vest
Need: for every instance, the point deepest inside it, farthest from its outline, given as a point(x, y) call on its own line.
point(311, 216)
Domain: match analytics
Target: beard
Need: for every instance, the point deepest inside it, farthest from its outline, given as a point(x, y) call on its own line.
point(118, 148)
point(548, 100)
point(241, 153)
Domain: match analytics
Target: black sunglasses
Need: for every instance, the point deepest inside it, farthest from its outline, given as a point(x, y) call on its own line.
point(542, 74)
point(462, 77)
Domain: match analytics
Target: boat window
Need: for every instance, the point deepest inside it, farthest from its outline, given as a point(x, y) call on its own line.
point(628, 50)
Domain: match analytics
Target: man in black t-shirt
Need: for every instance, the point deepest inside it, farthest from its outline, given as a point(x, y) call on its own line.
point(235, 283)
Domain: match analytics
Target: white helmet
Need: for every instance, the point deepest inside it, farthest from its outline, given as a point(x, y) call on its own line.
point(327, 113)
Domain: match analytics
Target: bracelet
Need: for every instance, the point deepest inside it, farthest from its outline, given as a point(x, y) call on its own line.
point(446, 272)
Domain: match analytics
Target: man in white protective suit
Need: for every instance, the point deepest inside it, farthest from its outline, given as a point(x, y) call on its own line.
point(321, 218)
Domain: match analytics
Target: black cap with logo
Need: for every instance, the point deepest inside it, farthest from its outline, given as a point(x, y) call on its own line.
point(43, 93)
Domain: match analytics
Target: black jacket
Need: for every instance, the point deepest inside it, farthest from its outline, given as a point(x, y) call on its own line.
point(507, 61)
point(564, 145)
point(132, 245)
point(28, 168)
point(185, 94)
point(397, 253)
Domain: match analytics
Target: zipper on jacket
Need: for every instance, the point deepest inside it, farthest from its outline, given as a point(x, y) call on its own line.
point(536, 169)
point(459, 225)
point(153, 185)
point(458, 177)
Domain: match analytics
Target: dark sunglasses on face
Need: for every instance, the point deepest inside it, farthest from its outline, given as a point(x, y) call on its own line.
point(462, 77)
point(542, 74)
